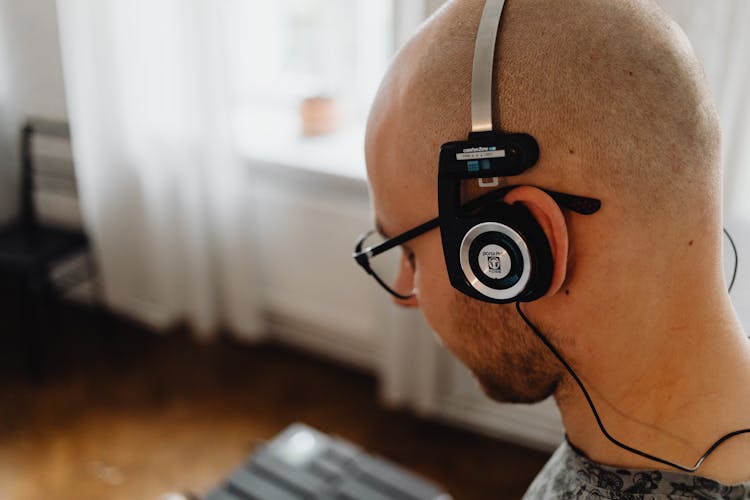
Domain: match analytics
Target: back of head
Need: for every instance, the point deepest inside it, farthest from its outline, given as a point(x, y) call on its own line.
point(619, 105)
point(611, 90)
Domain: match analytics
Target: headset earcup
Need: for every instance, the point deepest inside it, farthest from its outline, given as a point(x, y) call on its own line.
point(509, 239)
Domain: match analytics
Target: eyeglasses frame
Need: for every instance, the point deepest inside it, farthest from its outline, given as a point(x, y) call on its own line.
point(580, 204)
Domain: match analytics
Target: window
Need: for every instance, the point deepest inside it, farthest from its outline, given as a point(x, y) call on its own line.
point(283, 52)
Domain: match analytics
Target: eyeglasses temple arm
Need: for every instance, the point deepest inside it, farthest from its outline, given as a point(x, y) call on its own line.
point(401, 238)
point(579, 204)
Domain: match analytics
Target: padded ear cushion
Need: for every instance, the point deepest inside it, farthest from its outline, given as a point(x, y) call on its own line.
point(520, 221)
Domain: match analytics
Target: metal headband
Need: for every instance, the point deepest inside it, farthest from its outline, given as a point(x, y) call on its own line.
point(484, 66)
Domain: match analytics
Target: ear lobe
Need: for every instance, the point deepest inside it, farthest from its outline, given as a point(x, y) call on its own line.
point(550, 217)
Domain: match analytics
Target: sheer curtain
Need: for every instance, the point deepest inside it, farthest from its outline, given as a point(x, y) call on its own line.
point(720, 33)
point(162, 192)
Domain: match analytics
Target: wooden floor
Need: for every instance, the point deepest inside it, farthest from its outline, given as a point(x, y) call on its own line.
point(127, 414)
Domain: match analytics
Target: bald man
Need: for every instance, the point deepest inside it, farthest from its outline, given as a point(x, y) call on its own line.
point(638, 305)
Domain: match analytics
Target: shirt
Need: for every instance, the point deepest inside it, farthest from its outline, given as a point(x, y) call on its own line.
point(569, 474)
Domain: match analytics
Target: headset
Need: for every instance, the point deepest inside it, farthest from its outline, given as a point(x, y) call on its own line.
point(499, 253)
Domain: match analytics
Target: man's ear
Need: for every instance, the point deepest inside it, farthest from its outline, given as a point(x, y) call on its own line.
point(550, 217)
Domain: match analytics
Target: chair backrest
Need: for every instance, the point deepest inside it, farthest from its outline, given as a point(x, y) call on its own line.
point(49, 193)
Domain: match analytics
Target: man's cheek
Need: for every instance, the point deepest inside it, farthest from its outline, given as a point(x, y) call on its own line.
point(428, 297)
point(438, 308)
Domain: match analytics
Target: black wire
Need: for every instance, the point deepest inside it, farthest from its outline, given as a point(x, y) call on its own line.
point(599, 422)
point(736, 259)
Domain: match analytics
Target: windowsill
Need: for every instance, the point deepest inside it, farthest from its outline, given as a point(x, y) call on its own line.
point(276, 139)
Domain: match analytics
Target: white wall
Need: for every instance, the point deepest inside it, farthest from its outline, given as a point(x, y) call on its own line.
point(31, 81)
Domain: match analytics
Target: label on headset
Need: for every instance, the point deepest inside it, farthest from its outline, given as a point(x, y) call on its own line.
point(494, 261)
point(480, 153)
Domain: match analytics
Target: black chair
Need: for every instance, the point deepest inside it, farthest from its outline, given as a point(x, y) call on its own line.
point(30, 248)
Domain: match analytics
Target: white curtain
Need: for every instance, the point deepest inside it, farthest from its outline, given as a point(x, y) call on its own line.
point(162, 192)
point(720, 33)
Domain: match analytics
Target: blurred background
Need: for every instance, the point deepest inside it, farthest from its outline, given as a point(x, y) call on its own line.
point(181, 185)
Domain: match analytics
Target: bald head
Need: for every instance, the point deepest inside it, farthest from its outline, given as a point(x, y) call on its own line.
point(610, 89)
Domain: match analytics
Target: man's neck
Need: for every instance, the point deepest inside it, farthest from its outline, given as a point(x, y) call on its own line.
point(670, 398)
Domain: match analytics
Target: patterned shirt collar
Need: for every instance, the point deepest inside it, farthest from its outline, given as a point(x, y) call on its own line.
point(570, 474)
